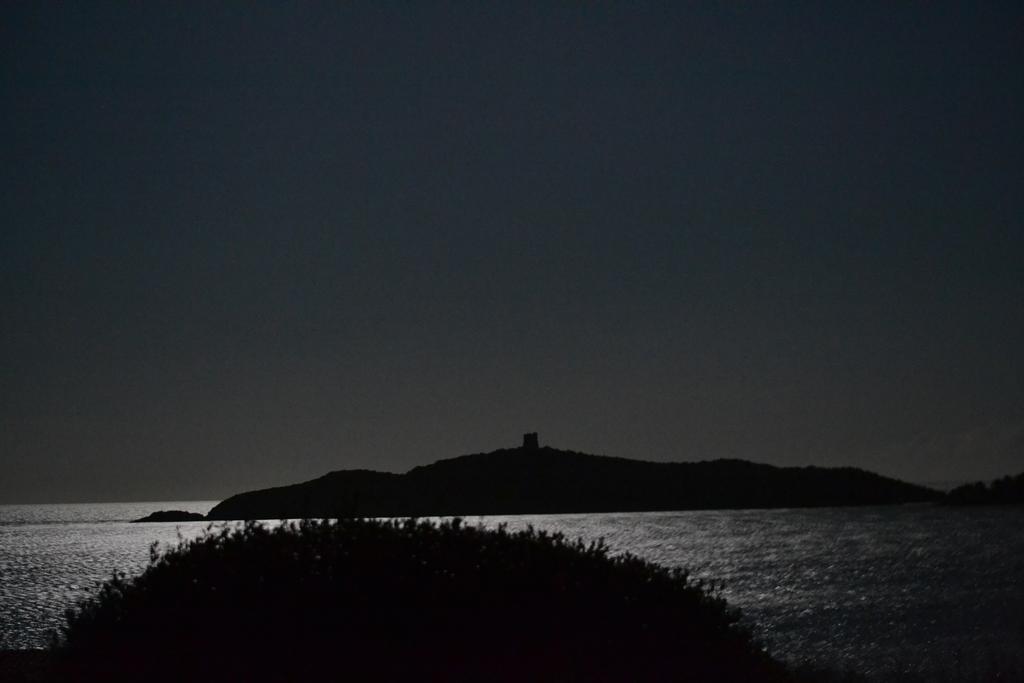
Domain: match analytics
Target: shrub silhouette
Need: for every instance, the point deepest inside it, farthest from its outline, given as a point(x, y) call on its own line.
point(405, 600)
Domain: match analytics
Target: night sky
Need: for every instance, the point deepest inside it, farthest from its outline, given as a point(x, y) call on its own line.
point(242, 244)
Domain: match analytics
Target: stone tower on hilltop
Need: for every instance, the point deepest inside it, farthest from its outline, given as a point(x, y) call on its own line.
point(530, 441)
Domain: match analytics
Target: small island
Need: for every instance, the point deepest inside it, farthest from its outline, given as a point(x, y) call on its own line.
point(532, 479)
point(172, 516)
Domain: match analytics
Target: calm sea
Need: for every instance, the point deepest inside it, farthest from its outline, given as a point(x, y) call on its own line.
point(871, 589)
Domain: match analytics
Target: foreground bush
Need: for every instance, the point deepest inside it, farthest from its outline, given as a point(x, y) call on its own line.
point(369, 600)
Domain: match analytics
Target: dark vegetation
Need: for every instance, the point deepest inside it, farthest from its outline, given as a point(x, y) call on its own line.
point(172, 516)
point(26, 666)
point(548, 480)
point(1004, 491)
point(410, 600)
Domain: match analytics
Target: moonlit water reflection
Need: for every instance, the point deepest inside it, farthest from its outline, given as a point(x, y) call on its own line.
point(872, 589)
point(881, 589)
point(51, 556)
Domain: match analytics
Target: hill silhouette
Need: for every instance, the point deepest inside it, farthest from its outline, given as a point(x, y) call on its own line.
point(536, 480)
point(1007, 490)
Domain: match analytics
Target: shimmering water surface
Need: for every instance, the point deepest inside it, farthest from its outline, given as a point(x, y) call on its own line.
point(873, 589)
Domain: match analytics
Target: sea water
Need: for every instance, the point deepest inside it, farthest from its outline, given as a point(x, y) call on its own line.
point(917, 588)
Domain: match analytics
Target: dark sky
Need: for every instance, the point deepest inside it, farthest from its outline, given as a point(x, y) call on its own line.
point(247, 243)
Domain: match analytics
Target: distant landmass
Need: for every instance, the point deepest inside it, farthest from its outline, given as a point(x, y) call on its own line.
point(1004, 491)
point(171, 516)
point(542, 480)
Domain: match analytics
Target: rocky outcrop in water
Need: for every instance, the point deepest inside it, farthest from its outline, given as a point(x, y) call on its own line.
point(172, 516)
